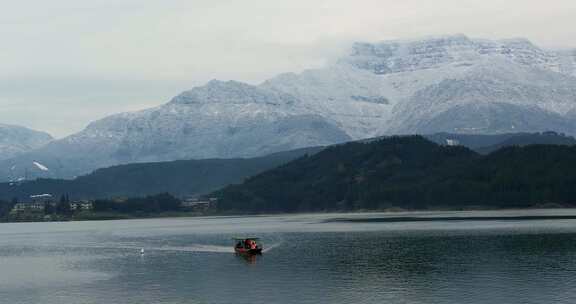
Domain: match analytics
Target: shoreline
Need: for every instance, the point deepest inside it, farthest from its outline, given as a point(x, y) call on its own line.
point(395, 215)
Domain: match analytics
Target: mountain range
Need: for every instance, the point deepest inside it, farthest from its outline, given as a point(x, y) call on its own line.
point(450, 84)
point(192, 178)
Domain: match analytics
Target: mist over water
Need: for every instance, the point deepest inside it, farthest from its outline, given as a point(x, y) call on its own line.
point(307, 259)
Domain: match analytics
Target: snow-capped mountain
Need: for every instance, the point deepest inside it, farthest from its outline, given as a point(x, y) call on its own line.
point(445, 84)
point(219, 120)
point(15, 140)
point(406, 56)
point(452, 84)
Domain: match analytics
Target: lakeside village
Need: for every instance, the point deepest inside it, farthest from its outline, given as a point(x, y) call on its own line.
point(45, 207)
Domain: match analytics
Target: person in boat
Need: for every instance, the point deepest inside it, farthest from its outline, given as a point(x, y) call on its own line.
point(248, 245)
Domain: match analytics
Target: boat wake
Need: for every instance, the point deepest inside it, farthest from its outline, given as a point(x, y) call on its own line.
point(271, 247)
point(195, 248)
point(143, 248)
point(205, 248)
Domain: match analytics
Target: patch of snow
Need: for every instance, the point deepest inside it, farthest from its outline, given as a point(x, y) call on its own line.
point(40, 166)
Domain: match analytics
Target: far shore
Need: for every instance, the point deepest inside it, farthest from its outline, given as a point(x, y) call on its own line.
point(395, 215)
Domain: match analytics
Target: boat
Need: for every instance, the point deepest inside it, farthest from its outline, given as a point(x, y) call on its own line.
point(249, 246)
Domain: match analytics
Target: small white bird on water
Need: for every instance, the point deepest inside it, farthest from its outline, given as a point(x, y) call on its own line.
point(142, 251)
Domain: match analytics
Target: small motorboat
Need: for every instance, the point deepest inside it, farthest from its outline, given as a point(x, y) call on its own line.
point(247, 246)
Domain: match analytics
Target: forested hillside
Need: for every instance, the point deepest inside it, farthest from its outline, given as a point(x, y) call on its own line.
point(413, 173)
point(180, 178)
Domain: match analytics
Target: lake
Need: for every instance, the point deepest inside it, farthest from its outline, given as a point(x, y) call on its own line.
point(450, 257)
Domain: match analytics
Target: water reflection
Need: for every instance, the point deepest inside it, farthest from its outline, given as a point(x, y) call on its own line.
point(250, 259)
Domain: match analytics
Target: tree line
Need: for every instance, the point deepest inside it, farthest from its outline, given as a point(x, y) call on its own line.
point(151, 204)
point(147, 205)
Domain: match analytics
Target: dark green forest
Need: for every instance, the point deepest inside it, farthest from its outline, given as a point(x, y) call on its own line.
point(151, 204)
point(410, 172)
point(5, 207)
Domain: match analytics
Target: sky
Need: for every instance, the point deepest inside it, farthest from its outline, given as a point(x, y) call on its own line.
point(65, 63)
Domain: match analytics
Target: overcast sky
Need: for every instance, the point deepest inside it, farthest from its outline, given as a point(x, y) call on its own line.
point(64, 63)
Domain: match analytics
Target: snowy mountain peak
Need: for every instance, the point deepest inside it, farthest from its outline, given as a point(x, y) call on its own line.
point(231, 92)
point(411, 55)
point(15, 140)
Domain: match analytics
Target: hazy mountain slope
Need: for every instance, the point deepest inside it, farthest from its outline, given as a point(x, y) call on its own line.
point(522, 140)
point(471, 141)
point(568, 62)
point(185, 177)
point(15, 140)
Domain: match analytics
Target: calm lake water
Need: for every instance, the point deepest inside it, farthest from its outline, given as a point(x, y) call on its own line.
point(308, 259)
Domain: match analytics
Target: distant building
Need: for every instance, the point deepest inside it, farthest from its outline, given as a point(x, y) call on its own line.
point(35, 206)
point(195, 204)
point(452, 142)
point(38, 203)
point(81, 206)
